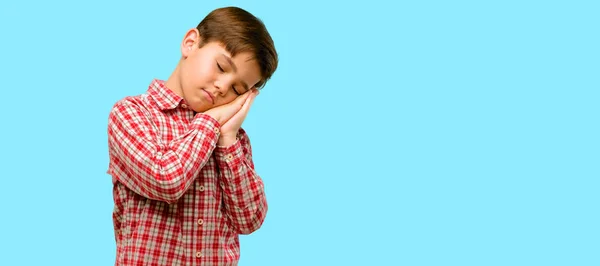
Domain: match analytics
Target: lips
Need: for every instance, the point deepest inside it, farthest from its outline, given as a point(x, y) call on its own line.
point(208, 96)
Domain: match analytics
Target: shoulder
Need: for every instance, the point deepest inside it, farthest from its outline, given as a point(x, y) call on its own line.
point(131, 102)
point(129, 107)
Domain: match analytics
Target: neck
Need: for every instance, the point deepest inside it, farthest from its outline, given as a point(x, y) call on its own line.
point(173, 83)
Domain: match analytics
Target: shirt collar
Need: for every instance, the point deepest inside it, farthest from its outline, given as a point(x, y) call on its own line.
point(164, 97)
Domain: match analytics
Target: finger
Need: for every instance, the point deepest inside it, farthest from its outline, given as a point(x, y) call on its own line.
point(238, 102)
point(242, 98)
point(236, 105)
point(249, 102)
point(243, 111)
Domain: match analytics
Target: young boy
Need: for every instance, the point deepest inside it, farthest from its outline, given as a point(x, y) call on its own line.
point(182, 169)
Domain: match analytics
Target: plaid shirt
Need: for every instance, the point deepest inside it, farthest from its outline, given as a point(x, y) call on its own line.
point(179, 198)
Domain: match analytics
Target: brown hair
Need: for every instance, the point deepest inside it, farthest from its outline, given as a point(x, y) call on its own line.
point(240, 31)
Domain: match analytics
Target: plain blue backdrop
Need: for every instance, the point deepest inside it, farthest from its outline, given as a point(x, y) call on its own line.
point(393, 133)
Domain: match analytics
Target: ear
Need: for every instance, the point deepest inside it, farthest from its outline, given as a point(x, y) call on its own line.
point(190, 42)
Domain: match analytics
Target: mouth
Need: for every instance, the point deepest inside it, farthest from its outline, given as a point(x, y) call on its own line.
point(209, 97)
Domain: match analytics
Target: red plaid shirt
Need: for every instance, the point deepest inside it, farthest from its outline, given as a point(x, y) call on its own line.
point(179, 198)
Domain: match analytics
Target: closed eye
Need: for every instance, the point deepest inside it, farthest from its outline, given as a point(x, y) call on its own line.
point(220, 68)
point(236, 92)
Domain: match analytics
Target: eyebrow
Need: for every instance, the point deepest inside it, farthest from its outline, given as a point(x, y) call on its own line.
point(234, 69)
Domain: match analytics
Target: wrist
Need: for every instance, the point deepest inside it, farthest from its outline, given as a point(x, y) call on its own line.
point(226, 140)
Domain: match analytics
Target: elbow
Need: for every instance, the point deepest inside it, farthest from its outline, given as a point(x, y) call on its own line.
point(247, 229)
point(170, 192)
point(170, 198)
point(254, 222)
point(167, 187)
point(161, 194)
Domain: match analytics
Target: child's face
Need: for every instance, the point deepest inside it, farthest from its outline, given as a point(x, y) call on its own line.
point(210, 77)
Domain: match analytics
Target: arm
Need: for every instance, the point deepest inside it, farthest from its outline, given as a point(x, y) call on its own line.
point(244, 196)
point(145, 164)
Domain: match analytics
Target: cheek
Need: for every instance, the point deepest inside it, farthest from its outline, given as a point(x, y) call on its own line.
point(187, 74)
point(203, 72)
point(198, 72)
point(227, 99)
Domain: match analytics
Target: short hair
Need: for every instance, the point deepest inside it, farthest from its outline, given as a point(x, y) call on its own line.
point(240, 31)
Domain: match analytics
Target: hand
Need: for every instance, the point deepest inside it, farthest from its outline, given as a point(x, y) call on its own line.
point(230, 129)
point(224, 112)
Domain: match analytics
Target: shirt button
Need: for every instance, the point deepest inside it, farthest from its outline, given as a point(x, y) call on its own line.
point(216, 130)
point(200, 221)
point(229, 157)
point(184, 106)
point(201, 188)
point(198, 254)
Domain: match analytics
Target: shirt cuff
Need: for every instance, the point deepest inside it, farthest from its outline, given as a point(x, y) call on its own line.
point(231, 156)
point(208, 124)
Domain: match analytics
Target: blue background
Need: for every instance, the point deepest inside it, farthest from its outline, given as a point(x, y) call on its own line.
point(429, 133)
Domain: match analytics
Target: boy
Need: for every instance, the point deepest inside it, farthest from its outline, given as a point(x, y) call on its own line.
point(182, 169)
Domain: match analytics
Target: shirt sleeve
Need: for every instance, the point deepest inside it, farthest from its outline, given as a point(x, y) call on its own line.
point(149, 166)
point(245, 202)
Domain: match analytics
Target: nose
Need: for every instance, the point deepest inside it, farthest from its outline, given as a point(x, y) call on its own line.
point(221, 87)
